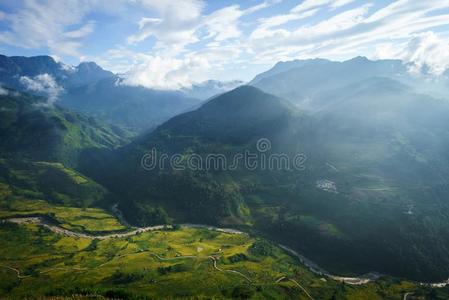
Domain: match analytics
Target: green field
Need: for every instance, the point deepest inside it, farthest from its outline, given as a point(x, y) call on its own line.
point(167, 264)
point(154, 264)
point(72, 218)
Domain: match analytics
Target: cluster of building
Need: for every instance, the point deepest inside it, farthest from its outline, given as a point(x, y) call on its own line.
point(326, 185)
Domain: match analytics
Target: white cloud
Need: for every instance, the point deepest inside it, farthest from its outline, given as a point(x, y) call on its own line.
point(43, 84)
point(80, 32)
point(338, 3)
point(340, 22)
point(307, 35)
point(426, 53)
point(171, 65)
point(278, 20)
point(42, 24)
point(175, 11)
point(180, 23)
point(222, 24)
point(3, 92)
point(262, 5)
point(193, 41)
point(175, 26)
point(355, 31)
point(308, 4)
point(166, 73)
point(304, 10)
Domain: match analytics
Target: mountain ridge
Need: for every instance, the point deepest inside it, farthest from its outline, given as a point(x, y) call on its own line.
point(378, 148)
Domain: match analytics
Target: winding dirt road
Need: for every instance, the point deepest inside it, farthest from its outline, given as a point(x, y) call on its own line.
point(214, 260)
point(313, 267)
point(17, 271)
point(59, 230)
point(295, 282)
point(407, 294)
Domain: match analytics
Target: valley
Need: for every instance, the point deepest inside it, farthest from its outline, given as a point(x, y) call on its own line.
point(364, 216)
point(120, 263)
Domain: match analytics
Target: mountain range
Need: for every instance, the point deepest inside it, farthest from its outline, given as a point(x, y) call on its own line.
point(300, 81)
point(88, 88)
point(371, 195)
point(14, 67)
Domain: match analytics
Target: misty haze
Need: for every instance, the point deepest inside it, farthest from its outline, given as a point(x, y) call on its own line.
point(199, 149)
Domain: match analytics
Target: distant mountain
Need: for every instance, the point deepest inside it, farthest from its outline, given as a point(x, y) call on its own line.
point(89, 89)
point(300, 81)
point(85, 73)
point(133, 107)
point(210, 88)
point(282, 66)
point(14, 67)
point(29, 129)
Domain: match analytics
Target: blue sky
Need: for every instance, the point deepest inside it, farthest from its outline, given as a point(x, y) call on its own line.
point(169, 44)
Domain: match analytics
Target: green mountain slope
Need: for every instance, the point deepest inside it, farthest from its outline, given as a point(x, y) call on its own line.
point(136, 108)
point(39, 147)
point(30, 129)
point(91, 90)
point(181, 263)
point(380, 147)
point(226, 124)
point(52, 182)
point(236, 116)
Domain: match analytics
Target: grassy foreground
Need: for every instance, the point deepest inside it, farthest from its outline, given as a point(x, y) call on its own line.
point(36, 262)
point(72, 218)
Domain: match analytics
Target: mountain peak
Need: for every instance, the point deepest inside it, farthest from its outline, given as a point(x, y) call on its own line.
point(89, 66)
point(284, 66)
point(206, 89)
point(246, 90)
point(243, 96)
point(29, 66)
point(236, 116)
point(38, 58)
point(358, 59)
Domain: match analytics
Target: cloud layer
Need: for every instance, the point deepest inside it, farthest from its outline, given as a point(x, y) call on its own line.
point(172, 44)
point(43, 84)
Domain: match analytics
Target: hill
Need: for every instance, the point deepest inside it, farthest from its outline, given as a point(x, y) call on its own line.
point(210, 88)
point(183, 263)
point(238, 115)
point(374, 172)
point(136, 108)
point(29, 128)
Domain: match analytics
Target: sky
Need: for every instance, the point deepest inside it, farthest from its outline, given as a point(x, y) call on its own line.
point(169, 44)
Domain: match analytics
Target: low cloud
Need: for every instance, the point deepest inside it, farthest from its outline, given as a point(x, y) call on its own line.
point(428, 53)
point(3, 92)
point(425, 53)
point(44, 85)
point(166, 73)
